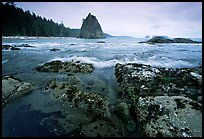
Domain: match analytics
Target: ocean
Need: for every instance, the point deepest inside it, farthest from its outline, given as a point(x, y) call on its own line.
point(30, 114)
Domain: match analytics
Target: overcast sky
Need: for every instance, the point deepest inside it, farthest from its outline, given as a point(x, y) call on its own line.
point(137, 19)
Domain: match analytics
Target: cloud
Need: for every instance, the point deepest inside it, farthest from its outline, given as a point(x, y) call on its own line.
point(127, 18)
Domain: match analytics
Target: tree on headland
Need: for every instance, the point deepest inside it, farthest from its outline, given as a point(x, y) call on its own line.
point(16, 22)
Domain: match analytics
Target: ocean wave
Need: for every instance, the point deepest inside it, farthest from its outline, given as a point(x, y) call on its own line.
point(46, 44)
point(161, 61)
point(92, 60)
point(152, 61)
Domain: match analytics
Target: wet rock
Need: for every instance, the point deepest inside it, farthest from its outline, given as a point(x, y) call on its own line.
point(197, 77)
point(54, 49)
point(169, 116)
point(13, 88)
point(53, 66)
point(101, 42)
point(66, 67)
point(9, 47)
point(24, 45)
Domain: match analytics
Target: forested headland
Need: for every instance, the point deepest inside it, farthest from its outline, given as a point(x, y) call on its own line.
point(17, 22)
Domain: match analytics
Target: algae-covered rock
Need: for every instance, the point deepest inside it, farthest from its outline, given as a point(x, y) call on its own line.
point(169, 116)
point(93, 103)
point(66, 67)
point(13, 88)
point(91, 114)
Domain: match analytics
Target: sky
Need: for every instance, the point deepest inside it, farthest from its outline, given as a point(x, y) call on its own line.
point(137, 19)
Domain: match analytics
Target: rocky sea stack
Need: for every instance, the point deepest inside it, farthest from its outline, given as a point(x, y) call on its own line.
point(91, 28)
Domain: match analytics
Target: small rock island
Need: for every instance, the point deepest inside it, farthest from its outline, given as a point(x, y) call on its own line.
point(91, 28)
point(160, 39)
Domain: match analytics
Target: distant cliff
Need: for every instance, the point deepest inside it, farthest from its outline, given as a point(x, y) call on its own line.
point(91, 28)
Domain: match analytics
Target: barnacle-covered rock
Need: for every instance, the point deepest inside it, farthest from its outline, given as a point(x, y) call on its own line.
point(144, 80)
point(169, 116)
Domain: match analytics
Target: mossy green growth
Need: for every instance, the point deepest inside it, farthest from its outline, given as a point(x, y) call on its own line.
point(134, 98)
point(131, 126)
point(130, 91)
point(167, 79)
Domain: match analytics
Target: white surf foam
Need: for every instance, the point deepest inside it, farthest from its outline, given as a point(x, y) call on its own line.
point(4, 61)
point(92, 60)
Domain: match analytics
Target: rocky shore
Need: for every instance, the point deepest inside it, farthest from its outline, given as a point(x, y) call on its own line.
point(158, 102)
point(166, 102)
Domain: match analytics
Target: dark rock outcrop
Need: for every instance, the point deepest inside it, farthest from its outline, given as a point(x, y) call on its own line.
point(54, 49)
point(184, 40)
point(160, 39)
point(9, 47)
point(24, 45)
point(91, 28)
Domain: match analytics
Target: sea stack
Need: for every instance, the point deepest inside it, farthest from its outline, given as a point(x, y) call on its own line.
point(91, 28)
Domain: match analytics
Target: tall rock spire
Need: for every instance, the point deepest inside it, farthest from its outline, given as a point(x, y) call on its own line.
point(91, 28)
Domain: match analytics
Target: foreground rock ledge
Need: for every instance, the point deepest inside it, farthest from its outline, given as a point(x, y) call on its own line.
point(169, 116)
point(101, 120)
point(13, 88)
point(167, 102)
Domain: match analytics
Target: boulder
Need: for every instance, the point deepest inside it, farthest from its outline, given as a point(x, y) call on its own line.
point(13, 88)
